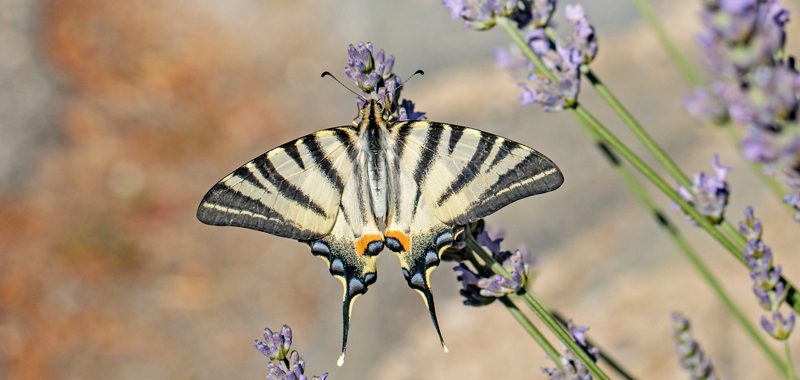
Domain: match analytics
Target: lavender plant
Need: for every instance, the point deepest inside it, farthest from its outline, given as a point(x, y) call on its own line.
point(276, 347)
point(755, 96)
point(550, 67)
point(691, 357)
point(571, 368)
point(768, 286)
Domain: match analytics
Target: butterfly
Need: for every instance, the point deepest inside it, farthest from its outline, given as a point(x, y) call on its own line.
point(349, 192)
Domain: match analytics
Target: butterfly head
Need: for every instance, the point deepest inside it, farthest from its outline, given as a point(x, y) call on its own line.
point(373, 111)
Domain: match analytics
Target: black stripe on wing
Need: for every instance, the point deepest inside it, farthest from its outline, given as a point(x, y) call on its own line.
point(325, 165)
point(284, 187)
point(472, 169)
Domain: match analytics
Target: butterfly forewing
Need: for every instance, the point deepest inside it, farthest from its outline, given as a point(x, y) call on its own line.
point(467, 174)
point(293, 191)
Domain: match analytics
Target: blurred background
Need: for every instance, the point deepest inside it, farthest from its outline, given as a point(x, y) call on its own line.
point(117, 116)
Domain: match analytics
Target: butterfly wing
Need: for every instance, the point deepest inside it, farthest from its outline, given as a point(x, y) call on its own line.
point(314, 190)
point(292, 191)
point(466, 174)
point(444, 176)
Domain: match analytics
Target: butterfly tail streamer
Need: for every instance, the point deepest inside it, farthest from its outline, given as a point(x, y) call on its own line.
point(427, 295)
point(347, 309)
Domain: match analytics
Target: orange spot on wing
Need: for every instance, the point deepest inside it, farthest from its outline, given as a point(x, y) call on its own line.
point(404, 239)
point(363, 242)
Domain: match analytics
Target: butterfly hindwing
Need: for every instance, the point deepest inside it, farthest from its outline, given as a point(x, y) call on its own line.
point(467, 174)
point(353, 245)
point(292, 191)
point(414, 233)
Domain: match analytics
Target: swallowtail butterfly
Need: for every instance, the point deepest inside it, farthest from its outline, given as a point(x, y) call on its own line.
point(349, 192)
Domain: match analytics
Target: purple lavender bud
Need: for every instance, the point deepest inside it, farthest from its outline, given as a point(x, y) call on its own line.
point(779, 328)
point(579, 334)
point(407, 111)
point(492, 245)
point(758, 148)
point(690, 355)
point(286, 338)
point(542, 12)
point(573, 369)
point(276, 372)
point(583, 33)
point(571, 56)
point(482, 14)
point(527, 96)
point(470, 290)
point(707, 105)
point(555, 96)
point(456, 7)
point(794, 201)
point(710, 192)
point(750, 227)
point(264, 349)
point(776, 13)
point(763, 298)
point(497, 285)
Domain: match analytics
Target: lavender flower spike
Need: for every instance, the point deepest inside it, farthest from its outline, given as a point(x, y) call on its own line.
point(276, 347)
point(779, 328)
point(482, 14)
point(583, 33)
point(709, 194)
point(574, 369)
point(553, 96)
point(691, 356)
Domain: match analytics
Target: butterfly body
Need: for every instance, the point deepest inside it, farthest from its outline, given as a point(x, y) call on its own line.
point(349, 192)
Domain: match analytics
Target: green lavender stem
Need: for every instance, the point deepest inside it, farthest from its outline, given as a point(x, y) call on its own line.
point(531, 329)
point(637, 129)
point(789, 367)
point(541, 313)
point(686, 69)
point(733, 234)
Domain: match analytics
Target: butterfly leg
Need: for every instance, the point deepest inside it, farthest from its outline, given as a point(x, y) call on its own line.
point(356, 272)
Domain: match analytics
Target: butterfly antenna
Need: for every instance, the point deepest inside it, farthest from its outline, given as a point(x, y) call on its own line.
point(326, 74)
point(420, 72)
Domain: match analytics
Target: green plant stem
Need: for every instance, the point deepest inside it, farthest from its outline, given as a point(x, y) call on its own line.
point(687, 250)
point(531, 329)
point(637, 129)
point(733, 234)
point(541, 313)
point(686, 69)
point(789, 366)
